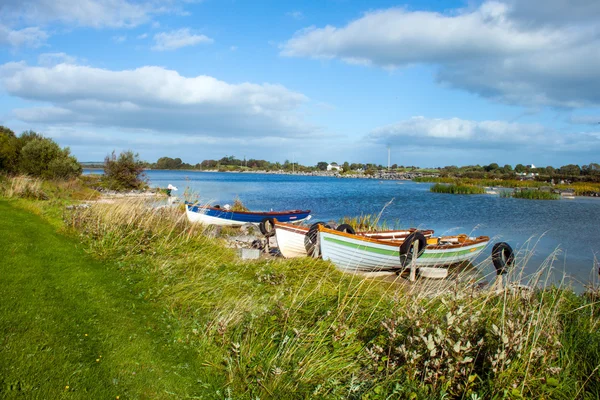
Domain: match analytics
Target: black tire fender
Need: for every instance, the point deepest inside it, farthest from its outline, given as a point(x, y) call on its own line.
point(346, 229)
point(267, 226)
point(503, 257)
point(406, 248)
point(311, 240)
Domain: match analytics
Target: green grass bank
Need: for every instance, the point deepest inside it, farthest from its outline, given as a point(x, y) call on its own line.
point(169, 312)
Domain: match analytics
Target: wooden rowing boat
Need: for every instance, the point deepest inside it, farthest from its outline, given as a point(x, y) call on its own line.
point(360, 253)
point(225, 217)
point(296, 241)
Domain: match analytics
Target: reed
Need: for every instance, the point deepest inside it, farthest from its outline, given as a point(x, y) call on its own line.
point(507, 183)
point(535, 195)
point(25, 187)
point(457, 189)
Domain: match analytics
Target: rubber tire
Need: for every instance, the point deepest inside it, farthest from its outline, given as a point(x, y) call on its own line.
point(503, 257)
point(311, 238)
point(346, 229)
point(267, 226)
point(406, 254)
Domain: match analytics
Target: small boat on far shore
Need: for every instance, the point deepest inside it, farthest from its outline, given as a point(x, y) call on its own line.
point(224, 216)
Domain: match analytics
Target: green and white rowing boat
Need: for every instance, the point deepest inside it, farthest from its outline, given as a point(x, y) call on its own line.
point(363, 254)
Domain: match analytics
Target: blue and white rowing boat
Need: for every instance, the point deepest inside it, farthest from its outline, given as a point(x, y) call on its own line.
point(226, 217)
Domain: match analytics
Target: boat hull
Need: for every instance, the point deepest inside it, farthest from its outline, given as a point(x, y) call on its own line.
point(353, 253)
point(222, 217)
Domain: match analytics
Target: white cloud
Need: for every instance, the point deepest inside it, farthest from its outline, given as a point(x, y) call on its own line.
point(233, 48)
point(91, 13)
point(456, 133)
point(142, 36)
point(119, 39)
point(156, 99)
point(177, 39)
point(29, 37)
point(490, 50)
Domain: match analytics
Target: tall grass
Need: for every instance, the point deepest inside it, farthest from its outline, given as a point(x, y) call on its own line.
point(531, 194)
point(24, 187)
point(457, 189)
point(508, 183)
point(580, 188)
point(300, 328)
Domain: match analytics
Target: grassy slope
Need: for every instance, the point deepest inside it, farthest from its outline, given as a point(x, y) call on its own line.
point(69, 320)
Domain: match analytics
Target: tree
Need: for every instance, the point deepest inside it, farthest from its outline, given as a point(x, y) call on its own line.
point(43, 157)
point(169, 163)
point(9, 150)
point(570, 170)
point(322, 165)
point(346, 167)
point(519, 168)
point(123, 172)
point(492, 167)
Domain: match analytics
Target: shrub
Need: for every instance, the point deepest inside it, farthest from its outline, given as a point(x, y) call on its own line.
point(9, 153)
point(43, 157)
point(123, 172)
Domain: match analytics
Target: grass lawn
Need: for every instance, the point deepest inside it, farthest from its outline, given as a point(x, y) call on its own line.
point(75, 327)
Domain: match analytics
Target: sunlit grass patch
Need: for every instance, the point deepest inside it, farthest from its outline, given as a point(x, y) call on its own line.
point(531, 194)
point(457, 189)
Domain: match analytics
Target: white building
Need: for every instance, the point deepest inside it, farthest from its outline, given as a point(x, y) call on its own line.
point(333, 167)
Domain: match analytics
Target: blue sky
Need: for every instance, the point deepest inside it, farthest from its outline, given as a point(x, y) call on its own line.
point(441, 83)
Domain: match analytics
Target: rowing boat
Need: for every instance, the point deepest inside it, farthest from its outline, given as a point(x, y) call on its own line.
point(366, 254)
point(299, 241)
point(226, 217)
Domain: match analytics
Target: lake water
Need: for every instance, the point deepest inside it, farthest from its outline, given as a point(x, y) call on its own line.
point(544, 226)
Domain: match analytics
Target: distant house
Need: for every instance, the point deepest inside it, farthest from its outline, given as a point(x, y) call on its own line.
point(333, 167)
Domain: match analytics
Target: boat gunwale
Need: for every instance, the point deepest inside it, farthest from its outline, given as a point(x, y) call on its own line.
point(375, 235)
point(396, 243)
point(266, 213)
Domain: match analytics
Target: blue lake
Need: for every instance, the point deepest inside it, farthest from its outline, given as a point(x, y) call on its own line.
point(544, 226)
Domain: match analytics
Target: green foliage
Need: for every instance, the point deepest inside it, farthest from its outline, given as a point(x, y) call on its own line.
point(570, 170)
point(124, 172)
point(43, 157)
point(9, 150)
point(168, 163)
point(457, 189)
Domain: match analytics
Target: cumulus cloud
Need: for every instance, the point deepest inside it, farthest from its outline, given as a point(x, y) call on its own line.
point(177, 39)
point(493, 135)
point(91, 13)
point(154, 98)
point(490, 50)
point(30, 37)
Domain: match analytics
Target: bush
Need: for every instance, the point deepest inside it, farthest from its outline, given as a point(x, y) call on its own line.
point(9, 153)
point(43, 157)
point(123, 172)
